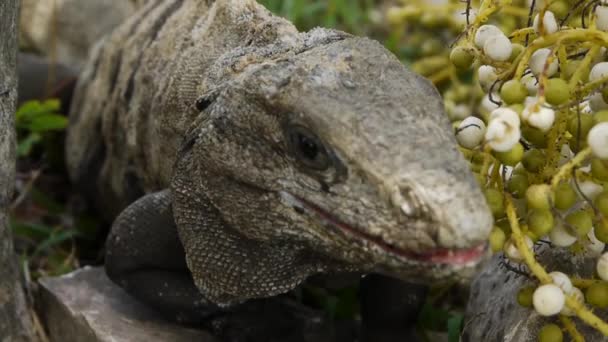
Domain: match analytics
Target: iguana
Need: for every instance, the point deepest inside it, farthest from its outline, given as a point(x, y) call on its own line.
point(241, 157)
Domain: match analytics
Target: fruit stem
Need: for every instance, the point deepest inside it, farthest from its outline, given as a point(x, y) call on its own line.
point(487, 160)
point(584, 283)
point(571, 329)
point(541, 274)
point(586, 315)
point(567, 168)
point(595, 49)
point(518, 237)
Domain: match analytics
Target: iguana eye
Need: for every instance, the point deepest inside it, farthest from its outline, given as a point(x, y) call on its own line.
point(308, 148)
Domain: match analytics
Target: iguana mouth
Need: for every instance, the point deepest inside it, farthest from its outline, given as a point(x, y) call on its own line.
point(443, 256)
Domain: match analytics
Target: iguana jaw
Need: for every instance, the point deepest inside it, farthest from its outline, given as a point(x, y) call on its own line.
point(438, 256)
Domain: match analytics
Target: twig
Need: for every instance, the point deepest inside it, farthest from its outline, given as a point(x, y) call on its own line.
point(530, 20)
point(26, 190)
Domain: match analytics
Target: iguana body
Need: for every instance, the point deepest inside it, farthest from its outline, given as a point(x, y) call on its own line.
point(264, 156)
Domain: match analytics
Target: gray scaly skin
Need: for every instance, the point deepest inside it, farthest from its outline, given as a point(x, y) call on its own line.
point(250, 156)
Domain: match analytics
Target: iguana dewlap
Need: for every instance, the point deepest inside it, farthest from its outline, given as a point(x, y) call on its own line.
point(263, 156)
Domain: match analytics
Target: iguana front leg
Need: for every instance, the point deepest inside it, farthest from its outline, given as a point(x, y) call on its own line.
point(145, 256)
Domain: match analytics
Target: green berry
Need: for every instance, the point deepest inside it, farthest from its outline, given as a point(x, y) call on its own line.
point(540, 222)
point(581, 221)
point(517, 108)
point(586, 125)
point(511, 157)
point(517, 185)
point(495, 202)
point(520, 170)
point(434, 20)
point(604, 94)
point(513, 91)
point(572, 66)
point(431, 47)
point(524, 296)
point(560, 8)
point(458, 93)
point(539, 196)
point(535, 136)
point(462, 57)
point(601, 203)
point(557, 91)
point(599, 169)
point(504, 225)
point(534, 160)
point(517, 50)
point(565, 196)
point(497, 239)
point(597, 295)
point(601, 116)
point(550, 333)
point(601, 231)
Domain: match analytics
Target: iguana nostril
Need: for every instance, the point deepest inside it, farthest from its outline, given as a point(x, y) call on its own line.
point(406, 202)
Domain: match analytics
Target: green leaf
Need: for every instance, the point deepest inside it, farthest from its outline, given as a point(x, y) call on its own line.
point(431, 318)
point(31, 231)
point(48, 122)
point(454, 328)
point(31, 109)
point(24, 148)
point(54, 240)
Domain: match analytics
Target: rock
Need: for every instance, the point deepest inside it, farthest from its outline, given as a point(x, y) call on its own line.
point(493, 313)
point(86, 306)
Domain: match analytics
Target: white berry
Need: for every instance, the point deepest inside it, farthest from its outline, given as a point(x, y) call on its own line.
point(597, 103)
point(539, 116)
point(503, 130)
point(548, 300)
point(458, 112)
point(512, 252)
point(594, 246)
point(602, 266)
point(590, 189)
point(578, 295)
point(549, 23)
point(602, 18)
point(560, 237)
point(600, 70)
point(487, 76)
point(598, 140)
point(484, 33)
point(531, 83)
point(560, 279)
point(498, 48)
point(487, 105)
point(470, 132)
point(538, 61)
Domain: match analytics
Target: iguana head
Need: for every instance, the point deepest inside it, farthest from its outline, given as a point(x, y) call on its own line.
point(338, 146)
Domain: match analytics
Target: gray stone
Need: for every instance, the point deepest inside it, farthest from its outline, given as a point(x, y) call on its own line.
point(86, 306)
point(493, 313)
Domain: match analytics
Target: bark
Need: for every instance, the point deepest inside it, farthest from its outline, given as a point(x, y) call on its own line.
point(15, 322)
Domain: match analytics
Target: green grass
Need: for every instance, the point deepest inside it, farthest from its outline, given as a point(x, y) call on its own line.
point(352, 16)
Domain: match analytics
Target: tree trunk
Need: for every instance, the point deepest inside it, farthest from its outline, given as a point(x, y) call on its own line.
point(15, 319)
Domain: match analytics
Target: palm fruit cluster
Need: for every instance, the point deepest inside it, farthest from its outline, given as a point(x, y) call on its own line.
point(525, 84)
